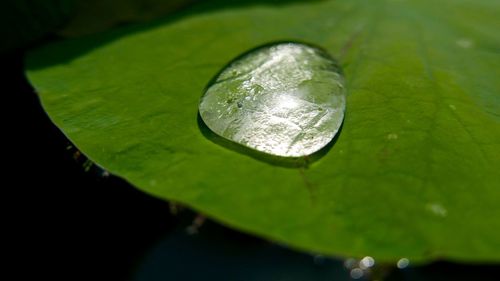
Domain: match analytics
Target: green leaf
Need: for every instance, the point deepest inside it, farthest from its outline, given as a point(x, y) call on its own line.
point(413, 173)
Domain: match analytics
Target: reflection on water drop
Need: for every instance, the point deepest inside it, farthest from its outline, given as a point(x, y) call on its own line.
point(288, 98)
point(403, 263)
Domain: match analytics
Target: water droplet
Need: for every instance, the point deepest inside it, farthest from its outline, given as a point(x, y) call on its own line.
point(357, 273)
point(293, 96)
point(366, 262)
point(437, 209)
point(403, 263)
point(465, 43)
point(392, 136)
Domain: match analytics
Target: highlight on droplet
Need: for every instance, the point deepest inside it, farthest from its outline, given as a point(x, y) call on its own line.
point(284, 99)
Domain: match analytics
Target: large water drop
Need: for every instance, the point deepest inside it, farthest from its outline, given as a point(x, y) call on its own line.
point(285, 99)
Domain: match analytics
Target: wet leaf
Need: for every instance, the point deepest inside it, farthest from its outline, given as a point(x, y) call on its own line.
point(413, 173)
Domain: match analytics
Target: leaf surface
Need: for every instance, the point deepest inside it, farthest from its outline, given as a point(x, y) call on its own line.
point(413, 173)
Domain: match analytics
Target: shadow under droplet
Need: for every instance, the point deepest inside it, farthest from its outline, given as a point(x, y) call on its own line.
point(287, 162)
